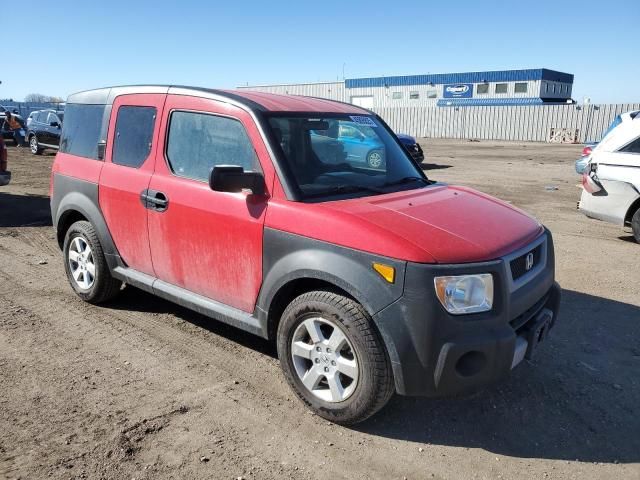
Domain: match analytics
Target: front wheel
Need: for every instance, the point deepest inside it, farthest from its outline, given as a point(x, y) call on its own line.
point(86, 266)
point(635, 225)
point(333, 358)
point(33, 145)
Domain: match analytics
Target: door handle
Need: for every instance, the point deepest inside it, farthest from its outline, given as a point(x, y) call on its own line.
point(154, 200)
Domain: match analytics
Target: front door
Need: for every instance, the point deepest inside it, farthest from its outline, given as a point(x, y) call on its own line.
point(208, 242)
point(129, 158)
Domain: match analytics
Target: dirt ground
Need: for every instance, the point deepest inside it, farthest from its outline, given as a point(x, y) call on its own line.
point(141, 388)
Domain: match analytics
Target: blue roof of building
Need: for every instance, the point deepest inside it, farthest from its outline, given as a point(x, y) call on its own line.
point(468, 77)
point(468, 102)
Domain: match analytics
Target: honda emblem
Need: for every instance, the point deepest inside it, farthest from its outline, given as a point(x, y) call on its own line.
point(528, 261)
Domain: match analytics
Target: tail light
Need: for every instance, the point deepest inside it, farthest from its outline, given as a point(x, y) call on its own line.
point(586, 151)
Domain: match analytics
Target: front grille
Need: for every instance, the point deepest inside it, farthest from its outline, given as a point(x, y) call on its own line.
point(522, 319)
point(519, 265)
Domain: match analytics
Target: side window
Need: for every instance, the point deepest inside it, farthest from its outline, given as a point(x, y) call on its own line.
point(199, 141)
point(348, 131)
point(52, 117)
point(482, 88)
point(82, 129)
point(633, 147)
point(133, 135)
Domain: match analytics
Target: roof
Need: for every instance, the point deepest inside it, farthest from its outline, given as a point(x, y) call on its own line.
point(468, 77)
point(296, 103)
point(260, 101)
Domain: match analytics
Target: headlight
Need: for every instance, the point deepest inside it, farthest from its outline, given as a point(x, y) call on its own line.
point(465, 293)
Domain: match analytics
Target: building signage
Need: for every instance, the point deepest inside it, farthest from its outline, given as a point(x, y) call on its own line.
point(458, 90)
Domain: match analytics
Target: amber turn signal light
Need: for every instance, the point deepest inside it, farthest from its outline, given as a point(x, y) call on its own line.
point(385, 271)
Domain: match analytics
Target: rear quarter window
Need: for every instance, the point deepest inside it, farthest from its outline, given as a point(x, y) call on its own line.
point(82, 130)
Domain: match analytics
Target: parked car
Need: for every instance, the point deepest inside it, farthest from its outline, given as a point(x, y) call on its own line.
point(369, 280)
point(349, 142)
point(413, 146)
point(612, 179)
point(5, 175)
point(44, 130)
point(582, 162)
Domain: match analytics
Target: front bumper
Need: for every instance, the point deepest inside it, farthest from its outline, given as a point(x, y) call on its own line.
point(416, 152)
point(434, 353)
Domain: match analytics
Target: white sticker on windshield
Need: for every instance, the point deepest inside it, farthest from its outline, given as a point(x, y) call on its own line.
point(366, 121)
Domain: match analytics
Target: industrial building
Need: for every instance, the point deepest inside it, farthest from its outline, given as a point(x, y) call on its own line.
point(492, 88)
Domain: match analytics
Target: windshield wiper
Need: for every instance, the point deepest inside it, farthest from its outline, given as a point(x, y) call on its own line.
point(347, 189)
point(404, 180)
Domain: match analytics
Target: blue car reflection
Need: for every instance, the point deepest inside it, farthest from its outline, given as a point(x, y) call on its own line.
point(358, 144)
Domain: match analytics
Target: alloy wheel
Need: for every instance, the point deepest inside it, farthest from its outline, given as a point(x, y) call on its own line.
point(33, 144)
point(375, 159)
point(81, 263)
point(324, 360)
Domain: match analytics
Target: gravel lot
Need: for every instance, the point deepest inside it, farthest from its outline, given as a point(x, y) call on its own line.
point(141, 388)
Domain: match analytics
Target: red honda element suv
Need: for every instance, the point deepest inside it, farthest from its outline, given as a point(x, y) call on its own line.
point(248, 208)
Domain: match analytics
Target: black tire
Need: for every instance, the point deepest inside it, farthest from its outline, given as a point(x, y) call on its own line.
point(104, 286)
point(33, 145)
point(635, 225)
point(375, 384)
point(375, 159)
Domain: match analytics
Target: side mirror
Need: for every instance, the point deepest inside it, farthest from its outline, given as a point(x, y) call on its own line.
point(54, 124)
point(233, 178)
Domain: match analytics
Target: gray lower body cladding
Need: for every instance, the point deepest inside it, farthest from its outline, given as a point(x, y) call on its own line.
point(425, 344)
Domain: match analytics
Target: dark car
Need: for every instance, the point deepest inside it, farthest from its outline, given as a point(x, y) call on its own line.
point(414, 147)
point(44, 130)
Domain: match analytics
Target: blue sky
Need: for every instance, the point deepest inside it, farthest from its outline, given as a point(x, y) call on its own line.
point(75, 45)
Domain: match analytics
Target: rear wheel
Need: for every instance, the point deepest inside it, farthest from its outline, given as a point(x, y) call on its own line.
point(635, 225)
point(333, 357)
point(33, 145)
point(374, 159)
point(86, 266)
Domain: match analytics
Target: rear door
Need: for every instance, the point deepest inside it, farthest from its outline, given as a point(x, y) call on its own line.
point(208, 242)
point(52, 135)
point(129, 162)
point(55, 131)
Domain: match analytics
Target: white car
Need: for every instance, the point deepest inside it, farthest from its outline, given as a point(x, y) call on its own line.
point(612, 178)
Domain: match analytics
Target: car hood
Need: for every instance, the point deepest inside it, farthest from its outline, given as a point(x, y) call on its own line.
point(445, 224)
point(406, 139)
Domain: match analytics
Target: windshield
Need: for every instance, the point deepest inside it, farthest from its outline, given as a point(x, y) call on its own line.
point(342, 156)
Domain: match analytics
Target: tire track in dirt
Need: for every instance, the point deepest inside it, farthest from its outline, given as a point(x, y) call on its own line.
point(119, 337)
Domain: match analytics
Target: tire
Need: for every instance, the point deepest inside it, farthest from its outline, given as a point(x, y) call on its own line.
point(375, 159)
point(33, 145)
point(368, 384)
point(635, 225)
point(79, 263)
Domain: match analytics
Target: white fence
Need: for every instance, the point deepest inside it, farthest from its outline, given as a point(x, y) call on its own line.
point(552, 123)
